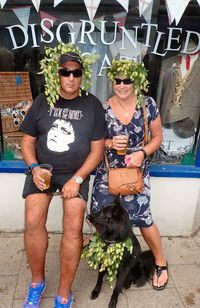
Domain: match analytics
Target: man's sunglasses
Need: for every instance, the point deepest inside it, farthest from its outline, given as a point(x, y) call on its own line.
point(125, 81)
point(66, 73)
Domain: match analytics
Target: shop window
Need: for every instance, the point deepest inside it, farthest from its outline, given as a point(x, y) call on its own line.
point(159, 33)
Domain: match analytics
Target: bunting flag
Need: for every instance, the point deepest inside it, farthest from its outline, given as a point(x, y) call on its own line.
point(143, 4)
point(121, 17)
point(3, 2)
point(175, 9)
point(47, 24)
point(23, 15)
point(124, 3)
point(96, 22)
point(92, 6)
point(36, 4)
point(148, 12)
point(56, 2)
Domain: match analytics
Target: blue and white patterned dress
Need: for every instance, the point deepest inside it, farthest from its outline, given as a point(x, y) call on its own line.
point(138, 205)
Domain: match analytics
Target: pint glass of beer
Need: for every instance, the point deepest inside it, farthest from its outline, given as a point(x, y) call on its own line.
point(46, 175)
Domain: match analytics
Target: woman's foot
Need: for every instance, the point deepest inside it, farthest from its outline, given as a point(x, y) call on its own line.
point(160, 278)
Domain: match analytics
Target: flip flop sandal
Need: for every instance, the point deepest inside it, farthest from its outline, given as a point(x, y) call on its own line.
point(159, 270)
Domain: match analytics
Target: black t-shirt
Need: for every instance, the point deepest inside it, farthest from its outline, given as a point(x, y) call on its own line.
point(65, 132)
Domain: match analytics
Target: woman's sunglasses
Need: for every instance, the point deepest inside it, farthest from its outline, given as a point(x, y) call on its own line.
point(66, 73)
point(125, 81)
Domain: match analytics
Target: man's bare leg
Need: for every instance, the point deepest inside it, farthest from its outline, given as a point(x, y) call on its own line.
point(36, 237)
point(71, 243)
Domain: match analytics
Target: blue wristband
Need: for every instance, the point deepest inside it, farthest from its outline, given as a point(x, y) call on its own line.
point(28, 171)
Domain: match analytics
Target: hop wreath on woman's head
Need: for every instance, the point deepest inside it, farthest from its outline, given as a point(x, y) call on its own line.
point(50, 69)
point(135, 71)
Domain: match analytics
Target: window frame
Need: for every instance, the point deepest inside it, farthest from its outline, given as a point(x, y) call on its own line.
point(174, 171)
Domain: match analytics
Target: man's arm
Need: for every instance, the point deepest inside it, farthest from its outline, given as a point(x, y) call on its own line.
point(71, 188)
point(28, 149)
point(29, 155)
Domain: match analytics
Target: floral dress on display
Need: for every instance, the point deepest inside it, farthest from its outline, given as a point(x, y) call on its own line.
point(137, 205)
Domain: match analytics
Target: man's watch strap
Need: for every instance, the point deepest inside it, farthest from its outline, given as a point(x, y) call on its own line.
point(28, 171)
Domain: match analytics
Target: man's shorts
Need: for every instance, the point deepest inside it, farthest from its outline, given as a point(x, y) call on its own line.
point(57, 182)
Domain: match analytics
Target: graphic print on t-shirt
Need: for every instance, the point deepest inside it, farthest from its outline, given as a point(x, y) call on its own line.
point(60, 135)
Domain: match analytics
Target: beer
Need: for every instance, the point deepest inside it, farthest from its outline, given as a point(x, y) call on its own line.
point(47, 179)
point(46, 176)
point(123, 151)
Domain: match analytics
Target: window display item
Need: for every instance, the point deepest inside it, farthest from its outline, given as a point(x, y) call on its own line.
point(174, 145)
point(12, 117)
point(15, 99)
point(179, 89)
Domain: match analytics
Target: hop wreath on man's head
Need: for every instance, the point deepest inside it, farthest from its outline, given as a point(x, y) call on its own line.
point(50, 69)
point(135, 71)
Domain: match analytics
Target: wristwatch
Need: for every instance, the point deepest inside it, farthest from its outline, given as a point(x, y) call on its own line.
point(28, 171)
point(144, 152)
point(78, 179)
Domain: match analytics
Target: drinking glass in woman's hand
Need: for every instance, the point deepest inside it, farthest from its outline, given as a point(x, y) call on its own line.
point(123, 142)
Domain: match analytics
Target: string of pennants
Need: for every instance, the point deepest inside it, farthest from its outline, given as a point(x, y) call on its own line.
point(175, 10)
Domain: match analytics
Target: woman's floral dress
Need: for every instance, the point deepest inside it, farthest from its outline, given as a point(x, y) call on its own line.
point(138, 205)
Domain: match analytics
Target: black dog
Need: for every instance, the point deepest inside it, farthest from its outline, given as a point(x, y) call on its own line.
point(113, 224)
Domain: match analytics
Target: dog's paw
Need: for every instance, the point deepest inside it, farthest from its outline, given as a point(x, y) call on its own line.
point(95, 293)
point(113, 303)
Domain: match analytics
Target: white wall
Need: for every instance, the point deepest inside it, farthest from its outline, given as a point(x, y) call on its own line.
point(175, 205)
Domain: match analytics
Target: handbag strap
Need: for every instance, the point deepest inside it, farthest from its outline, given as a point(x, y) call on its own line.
point(106, 160)
point(145, 140)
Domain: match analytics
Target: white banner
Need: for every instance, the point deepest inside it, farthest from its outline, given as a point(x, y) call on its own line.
point(124, 3)
point(23, 16)
point(36, 4)
point(92, 6)
point(3, 2)
point(143, 4)
point(176, 9)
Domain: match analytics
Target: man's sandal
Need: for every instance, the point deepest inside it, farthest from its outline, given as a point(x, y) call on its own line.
point(159, 270)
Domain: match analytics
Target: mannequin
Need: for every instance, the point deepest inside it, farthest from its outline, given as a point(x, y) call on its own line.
point(178, 98)
point(179, 92)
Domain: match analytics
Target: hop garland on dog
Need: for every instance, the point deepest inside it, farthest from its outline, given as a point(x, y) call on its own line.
point(107, 258)
point(50, 69)
point(135, 71)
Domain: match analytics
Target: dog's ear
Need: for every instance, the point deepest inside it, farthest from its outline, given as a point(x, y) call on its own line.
point(117, 199)
point(118, 206)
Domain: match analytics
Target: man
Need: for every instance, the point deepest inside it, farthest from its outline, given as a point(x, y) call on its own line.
point(79, 122)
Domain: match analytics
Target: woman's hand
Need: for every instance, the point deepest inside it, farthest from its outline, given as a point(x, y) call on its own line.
point(134, 160)
point(119, 142)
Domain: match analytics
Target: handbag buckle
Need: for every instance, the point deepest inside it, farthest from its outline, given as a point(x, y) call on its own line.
point(131, 187)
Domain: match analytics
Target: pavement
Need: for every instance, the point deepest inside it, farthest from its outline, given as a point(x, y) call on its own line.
point(183, 290)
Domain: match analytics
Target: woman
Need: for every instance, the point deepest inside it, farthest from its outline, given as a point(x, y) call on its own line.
point(124, 112)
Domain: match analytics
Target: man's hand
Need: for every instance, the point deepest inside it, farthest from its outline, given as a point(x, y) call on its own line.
point(70, 189)
point(37, 179)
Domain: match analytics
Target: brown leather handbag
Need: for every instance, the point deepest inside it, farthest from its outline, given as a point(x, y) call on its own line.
point(126, 181)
